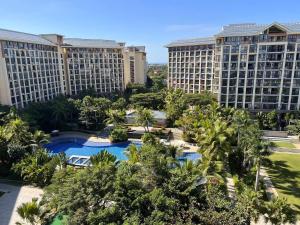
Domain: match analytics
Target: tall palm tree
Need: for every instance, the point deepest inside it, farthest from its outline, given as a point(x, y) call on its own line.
point(257, 154)
point(213, 138)
point(241, 120)
point(30, 212)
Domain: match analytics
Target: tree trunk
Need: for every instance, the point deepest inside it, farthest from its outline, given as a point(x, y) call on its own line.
point(257, 176)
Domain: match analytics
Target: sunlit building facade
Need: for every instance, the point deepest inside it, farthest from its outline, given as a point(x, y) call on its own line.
point(256, 67)
point(191, 64)
point(36, 68)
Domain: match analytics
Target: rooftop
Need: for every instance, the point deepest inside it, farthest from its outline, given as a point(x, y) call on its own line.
point(90, 43)
point(195, 41)
point(249, 29)
point(9, 35)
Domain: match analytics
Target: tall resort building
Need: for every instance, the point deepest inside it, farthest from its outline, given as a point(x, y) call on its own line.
point(96, 64)
point(191, 64)
point(37, 68)
point(256, 67)
point(30, 69)
point(135, 65)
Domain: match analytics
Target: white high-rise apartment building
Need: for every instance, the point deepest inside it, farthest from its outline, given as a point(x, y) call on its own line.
point(96, 64)
point(37, 68)
point(191, 64)
point(30, 69)
point(256, 67)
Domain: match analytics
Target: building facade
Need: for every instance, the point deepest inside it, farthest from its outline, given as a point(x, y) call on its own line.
point(37, 68)
point(30, 69)
point(191, 65)
point(96, 64)
point(135, 65)
point(256, 67)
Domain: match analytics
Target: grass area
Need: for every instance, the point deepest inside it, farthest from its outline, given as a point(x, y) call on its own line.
point(285, 175)
point(59, 220)
point(283, 144)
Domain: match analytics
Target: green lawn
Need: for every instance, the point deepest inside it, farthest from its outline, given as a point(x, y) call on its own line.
point(285, 175)
point(283, 144)
point(59, 220)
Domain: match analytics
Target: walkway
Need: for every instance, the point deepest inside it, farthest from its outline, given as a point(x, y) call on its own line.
point(270, 189)
point(14, 196)
point(230, 188)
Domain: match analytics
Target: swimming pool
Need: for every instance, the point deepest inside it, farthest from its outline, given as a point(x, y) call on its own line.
point(83, 147)
point(79, 150)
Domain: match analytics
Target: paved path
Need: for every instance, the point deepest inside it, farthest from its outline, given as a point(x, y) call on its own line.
point(230, 188)
point(270, 189)
point(14, 196)
point(286, 150)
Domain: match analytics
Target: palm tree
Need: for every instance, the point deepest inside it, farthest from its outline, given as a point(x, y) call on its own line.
point(39, 138)
point(133, 154)
point(18, 131)
point(257, 154)
point(249, 137)
point(213, 139)
point(115, 117)
point(241, 119)
point(144, 118)
point(61, 160)
point(103, 158)
point(30, 212)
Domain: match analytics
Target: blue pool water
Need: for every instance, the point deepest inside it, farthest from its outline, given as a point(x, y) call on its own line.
point(82, 147)
point(85, 148)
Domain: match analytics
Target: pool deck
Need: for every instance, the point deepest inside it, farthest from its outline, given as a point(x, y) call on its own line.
point(14, 196)
point(89, 137)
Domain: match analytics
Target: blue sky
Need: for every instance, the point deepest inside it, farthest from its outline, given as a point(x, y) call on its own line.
point(152, 23)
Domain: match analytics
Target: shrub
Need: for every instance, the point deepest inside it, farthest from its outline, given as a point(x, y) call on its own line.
point(118, 134)
point(149, 138)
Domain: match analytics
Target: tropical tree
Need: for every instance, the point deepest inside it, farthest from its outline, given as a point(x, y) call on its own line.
point(294, 127)
point(133, 154)
point(257, 154)
point(149, 138)
point(118, 134)
point(115, 117)
point(119, 104)
point(93, 112)
point(213, 139)
point(39, 138)
point(241, 120)
point(60, 111)
point(17, 131)
point(103, 158)
point(278, 212)
point(30, 212)
point(37, 168)
point(144, 118)
point(175, 104)
point(150, 100)
point(200, 99)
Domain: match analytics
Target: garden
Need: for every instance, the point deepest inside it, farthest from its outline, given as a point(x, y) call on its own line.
point(152, 186)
